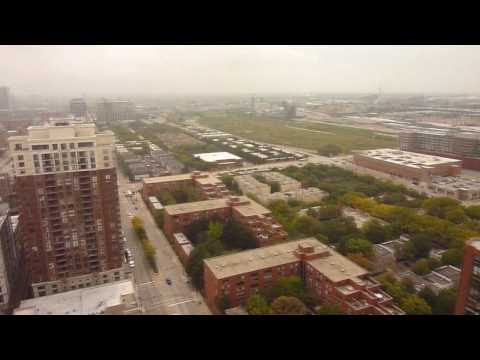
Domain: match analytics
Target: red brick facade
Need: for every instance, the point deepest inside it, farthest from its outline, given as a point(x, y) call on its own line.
point(70, 223)
point(264, 228)
point(405, 171)
point(207, 186)
point(468, 300)
point(356, 295)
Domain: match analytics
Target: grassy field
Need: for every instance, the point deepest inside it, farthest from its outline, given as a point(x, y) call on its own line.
point(298, 134)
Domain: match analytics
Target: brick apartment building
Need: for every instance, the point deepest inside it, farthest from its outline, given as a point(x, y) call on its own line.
point(468, 301)
point(8, 263)
point(254, 217)
point(208, 185)
point(329, 276)
point(67, 195)
point(408, 165)
point(455, 145)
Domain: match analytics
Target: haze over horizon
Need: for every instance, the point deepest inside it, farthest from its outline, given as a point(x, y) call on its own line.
point(231, 69)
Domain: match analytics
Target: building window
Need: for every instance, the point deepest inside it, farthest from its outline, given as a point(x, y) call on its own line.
point(72, 146)
point(63, 146)
point(55, 146)
point(20, 157)
point(21, 164)
point(40, 147)
point(18, 147)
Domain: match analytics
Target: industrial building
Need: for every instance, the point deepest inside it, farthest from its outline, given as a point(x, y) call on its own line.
point(413, 166)
point(254, 217)
point(468, 301)
point(222, 160)
point(66, 188)
point(461, 145)
point(329, 276)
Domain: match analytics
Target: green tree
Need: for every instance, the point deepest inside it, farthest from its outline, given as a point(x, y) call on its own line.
point(376, 232)
point(215, 230)
point(306, 225)
point(445, 302)
point(159, 219)
point(421, 267)
point(275, 187)
point(428, 295)
point(288, 286)
point(327, 212)
point(473, 212)
point(330, 150)
point(434, 263)
point(420, 245)
point(452, 257)
point(456, 215)
point(235, 236)
point(288, 305)
point(258, 305)
point(439, 206)
point(415, 305)
point(330, 309)
point(359, 246)
point(166, 198)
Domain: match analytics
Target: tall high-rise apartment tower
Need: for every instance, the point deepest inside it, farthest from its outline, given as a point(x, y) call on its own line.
point(468, 301)
point(78, 107)
point(67, 194)
point(4, 98)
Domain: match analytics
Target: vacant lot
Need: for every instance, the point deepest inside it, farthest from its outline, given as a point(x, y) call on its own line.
point(172, 139)
point(308, 136)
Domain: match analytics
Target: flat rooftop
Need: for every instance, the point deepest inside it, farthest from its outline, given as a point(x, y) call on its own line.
point(170, 178)
point(334, 266)
point(247, 207)
point(407, 158)
point(217, 156)
point(251, 209)
point(86, 301)
point(196, 206)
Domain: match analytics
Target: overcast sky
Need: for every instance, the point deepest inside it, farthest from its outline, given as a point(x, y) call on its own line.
point(77, 70)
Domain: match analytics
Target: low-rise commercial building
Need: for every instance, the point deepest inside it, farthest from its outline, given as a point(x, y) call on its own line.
point(406, 164)
point(328, 276)
point(222, 160)
point(254, 217)
point(251, 186)
point(286, 183)
point(444, 278)
point(459, 188)
point(117, 298)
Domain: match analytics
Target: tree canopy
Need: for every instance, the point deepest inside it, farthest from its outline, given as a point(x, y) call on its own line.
point(288, 305)
point(258, 305)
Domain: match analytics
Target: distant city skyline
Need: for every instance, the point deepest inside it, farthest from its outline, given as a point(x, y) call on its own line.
point(236, 70)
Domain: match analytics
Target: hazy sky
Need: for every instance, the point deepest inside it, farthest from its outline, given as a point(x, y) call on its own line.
point(77, 70)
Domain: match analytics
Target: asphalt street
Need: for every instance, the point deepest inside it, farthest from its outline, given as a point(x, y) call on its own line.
point(156, 296)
